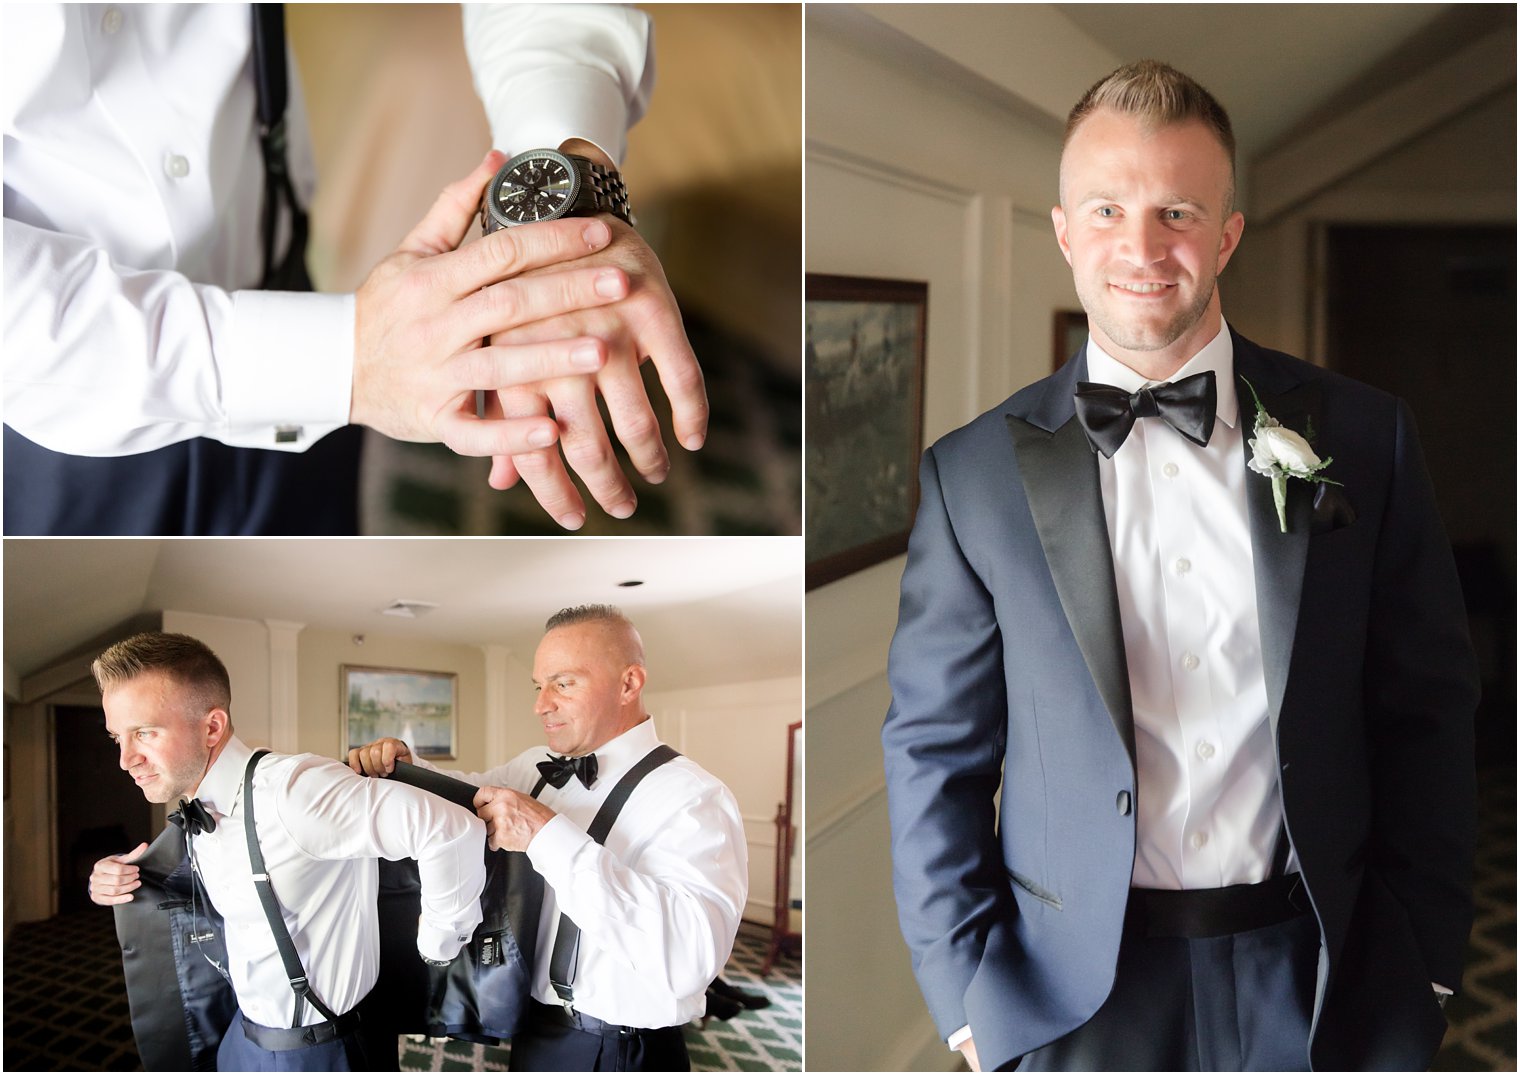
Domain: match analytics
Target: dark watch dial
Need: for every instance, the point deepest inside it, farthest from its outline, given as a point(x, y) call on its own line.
point(538, 185)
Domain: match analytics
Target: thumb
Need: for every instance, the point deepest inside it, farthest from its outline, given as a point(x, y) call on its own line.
point(134, 854)
point(444, 226)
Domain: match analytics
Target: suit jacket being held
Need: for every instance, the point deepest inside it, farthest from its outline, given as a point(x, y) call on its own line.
point(1008, 667)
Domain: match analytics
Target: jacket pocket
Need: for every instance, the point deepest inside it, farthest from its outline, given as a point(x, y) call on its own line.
point(1044, 895)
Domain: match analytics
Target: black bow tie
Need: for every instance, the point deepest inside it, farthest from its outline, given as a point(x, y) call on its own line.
point(1108, 413)
point(557, 771)
point(193, 817)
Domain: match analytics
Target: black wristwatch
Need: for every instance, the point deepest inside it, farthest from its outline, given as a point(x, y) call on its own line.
point(545, 184)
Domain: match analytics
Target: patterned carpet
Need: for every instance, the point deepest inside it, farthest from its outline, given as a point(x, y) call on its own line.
point(66, 1008)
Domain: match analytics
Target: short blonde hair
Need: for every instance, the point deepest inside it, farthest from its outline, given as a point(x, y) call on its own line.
point(1160, 95)
point(187, 661)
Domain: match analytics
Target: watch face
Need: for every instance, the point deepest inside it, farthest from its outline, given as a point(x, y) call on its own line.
point(538, 185)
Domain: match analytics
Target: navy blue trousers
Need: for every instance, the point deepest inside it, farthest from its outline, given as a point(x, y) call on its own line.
point(544, 1045)
point(1241, 1002)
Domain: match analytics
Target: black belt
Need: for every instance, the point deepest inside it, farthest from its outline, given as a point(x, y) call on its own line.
point(555, 1014)
point(1214, 912)
point(300, 1037)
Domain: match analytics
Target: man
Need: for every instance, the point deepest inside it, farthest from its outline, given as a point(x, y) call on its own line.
point(657, 903)
point(1234, 747)
point(165, 375)
point(320, 831)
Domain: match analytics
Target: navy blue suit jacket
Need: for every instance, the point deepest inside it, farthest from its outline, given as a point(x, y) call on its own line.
point(1008, 669)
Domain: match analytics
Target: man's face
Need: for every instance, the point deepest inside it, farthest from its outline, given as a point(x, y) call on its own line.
point(163, 747)
point(1142, 224)
point(579, 678)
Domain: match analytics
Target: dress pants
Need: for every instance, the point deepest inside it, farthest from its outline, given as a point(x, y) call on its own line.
point(1240, 1002)
point(545, 1044)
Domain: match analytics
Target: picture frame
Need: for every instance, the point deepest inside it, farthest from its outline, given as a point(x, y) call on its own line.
point(865, 346)
point(419, 707)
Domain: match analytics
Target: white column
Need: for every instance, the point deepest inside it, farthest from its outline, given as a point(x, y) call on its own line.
point(284, 688)
point(496, 714)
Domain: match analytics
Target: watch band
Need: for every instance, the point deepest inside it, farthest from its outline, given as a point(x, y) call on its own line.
point(602, 190)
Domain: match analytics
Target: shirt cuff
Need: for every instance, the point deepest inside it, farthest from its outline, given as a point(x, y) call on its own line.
point(553, 846)
point(552, 110)
point(440, 942)
point(288, 375)
point(960, 1037)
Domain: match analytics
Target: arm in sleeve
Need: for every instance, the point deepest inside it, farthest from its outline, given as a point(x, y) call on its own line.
point(331, 813)
point(671, 913)
point(547, 73)
point(104, 360)
point(943, 746)
point(1422, 691)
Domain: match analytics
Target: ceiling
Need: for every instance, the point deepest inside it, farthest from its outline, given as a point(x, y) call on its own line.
point(711, 610)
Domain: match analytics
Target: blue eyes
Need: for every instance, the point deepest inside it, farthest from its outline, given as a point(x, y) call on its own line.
point(1171, 216)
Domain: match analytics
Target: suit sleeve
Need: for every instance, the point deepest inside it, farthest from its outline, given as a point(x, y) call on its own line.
point(1422, 691)
point(943, 747)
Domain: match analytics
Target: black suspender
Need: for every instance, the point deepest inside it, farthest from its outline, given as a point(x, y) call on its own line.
point(567, 939)
point(272, 82)
point(293, 969)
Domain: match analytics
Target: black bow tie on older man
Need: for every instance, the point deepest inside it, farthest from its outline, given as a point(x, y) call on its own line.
point(1108, 413)
point(193, 817)
point(557, 771)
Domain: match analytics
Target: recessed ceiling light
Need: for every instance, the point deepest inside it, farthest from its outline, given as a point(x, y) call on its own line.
point(632, 582)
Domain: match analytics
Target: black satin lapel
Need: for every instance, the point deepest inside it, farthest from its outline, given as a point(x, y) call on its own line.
point(1060, 473)
point(1279, 557)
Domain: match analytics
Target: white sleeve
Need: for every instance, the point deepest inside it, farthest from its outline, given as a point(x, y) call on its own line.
point(104, 360)
point(671, 913)
point(331, 813)
point(550, 72)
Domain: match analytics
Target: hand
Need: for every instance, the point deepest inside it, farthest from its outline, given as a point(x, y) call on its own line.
point(646, 324)
point(114, 878)
point(512, 818)
point(378, 758)
point(420, 316)
point(968, 1050)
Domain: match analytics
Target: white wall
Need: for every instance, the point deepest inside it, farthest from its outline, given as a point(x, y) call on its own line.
point(737, 732)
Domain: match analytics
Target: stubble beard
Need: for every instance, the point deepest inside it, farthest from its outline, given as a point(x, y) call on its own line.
point(1142, 337)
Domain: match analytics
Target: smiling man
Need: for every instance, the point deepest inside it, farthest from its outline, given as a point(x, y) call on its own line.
point(321, 832)
point(642, 852)
point(1186, 606)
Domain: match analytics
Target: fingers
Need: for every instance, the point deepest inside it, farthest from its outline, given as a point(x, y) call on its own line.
point(466, 434)
point(633, 420)
point(499, 366)
point(506, 253)
point(510, 303)
point(444, 226)
point(542, 471)
point(664, 341)
point(378, 758)
point(114, 879)
point(487, 795)
point(583, 439)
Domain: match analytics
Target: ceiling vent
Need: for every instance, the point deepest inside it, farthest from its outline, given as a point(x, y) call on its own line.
point(410, 610)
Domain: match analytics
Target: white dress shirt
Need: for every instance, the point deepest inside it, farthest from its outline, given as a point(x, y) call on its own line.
point(321, 830)
point(658, 906)
point(133, 189)
point(1208, 810)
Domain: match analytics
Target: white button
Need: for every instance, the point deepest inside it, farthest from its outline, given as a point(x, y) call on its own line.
point(1170, 470)
point(1190, 661)
point(176, 167)
point(1205, 749)
point(1184, 565)
point(111, 21)
point(1199, 839)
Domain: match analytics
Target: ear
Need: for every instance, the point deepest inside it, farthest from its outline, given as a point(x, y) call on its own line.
point(218, 727)
point(632, 683)
point(1233, 227)
point(1058, 218)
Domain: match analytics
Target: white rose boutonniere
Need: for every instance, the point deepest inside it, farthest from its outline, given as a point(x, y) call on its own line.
point(1279, 453)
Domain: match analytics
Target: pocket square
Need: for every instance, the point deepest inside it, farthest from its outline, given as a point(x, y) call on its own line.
point(1332, 509)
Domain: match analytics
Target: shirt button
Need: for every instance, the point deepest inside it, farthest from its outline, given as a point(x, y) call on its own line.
point(1184, 565)
point(111, 21)
point(176, 167)
point(1190, 661)
point(1199, 839)
point(1205, 749)
point(1170, 470)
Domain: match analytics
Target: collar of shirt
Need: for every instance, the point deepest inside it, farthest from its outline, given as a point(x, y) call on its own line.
point(222, 785)
point(1217, 355)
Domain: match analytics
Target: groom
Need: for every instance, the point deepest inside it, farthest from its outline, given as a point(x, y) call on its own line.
point(1233, 737)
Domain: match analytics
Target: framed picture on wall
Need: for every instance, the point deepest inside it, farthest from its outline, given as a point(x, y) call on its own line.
point(865, 416)
point(421, 708)
point(1070, 335)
